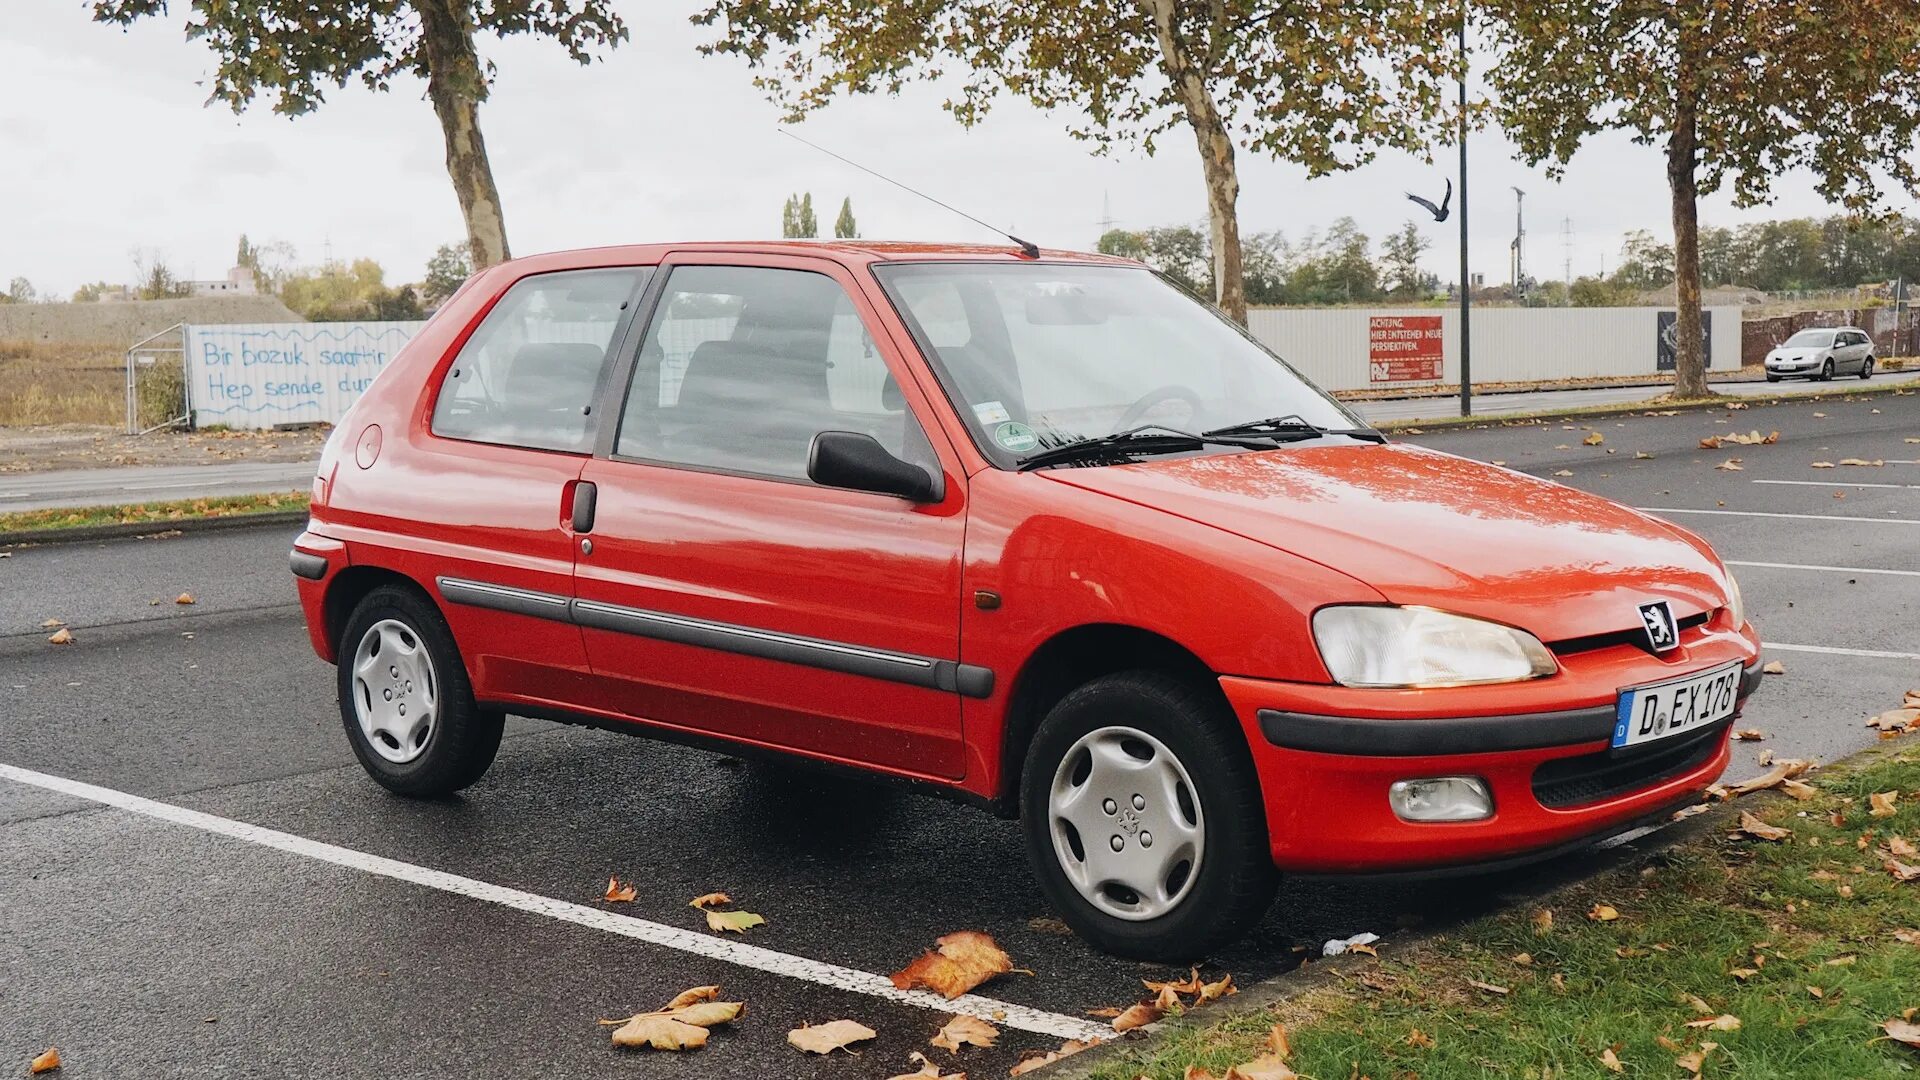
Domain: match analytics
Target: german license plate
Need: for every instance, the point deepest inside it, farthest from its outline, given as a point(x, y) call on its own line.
point(1676, 707)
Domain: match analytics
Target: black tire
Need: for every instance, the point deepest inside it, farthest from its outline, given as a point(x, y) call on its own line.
point(464, 738)
point(1826, 372)
point(1866, 370)
point(1235, 880)
point(1773, 378)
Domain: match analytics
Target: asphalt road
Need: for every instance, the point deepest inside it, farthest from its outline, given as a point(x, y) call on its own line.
point(466, 937)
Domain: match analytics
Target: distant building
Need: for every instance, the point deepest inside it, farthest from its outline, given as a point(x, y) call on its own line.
point(238, 282)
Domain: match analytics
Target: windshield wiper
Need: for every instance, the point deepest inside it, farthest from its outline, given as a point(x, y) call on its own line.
point(1147, 438)
point(1289, 428)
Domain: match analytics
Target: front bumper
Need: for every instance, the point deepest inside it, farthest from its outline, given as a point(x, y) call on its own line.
point(1327, 755)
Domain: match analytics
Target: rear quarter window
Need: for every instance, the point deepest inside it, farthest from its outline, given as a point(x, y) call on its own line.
point(528, 375)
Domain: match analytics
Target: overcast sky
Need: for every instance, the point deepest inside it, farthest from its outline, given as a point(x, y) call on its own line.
point(106, 146)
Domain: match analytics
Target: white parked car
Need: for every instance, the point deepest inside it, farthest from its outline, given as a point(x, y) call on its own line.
point(1821, 354)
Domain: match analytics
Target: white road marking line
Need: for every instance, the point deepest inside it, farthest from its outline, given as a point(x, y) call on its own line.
point(1839, 483)
point(1630, 836)
point(672, 937)
point(1834, 569)
point(1770, 514)
point(1835, 650)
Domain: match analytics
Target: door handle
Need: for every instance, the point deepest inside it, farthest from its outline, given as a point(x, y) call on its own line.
point(584, 496)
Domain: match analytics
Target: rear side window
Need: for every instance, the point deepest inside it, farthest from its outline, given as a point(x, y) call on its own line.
point(527, 376)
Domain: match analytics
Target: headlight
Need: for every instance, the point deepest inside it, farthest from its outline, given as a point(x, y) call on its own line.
point(1736, 604)
point(1416, 646)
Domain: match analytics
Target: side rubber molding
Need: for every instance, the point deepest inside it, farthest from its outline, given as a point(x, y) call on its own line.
point(307, 565)
point(935, 674)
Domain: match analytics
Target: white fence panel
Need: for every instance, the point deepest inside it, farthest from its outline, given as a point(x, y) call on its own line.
point(257, 375)
point(1346, 348)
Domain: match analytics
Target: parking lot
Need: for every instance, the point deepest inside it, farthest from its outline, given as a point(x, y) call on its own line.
point(197, 879)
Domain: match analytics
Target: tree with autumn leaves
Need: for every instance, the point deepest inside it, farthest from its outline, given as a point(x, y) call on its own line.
point(294, 50)
point(1734, 92)
point(1321, 83)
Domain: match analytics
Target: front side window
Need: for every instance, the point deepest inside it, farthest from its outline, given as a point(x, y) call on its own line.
point(527, 376)
point(1037, 355)
point(742, 366)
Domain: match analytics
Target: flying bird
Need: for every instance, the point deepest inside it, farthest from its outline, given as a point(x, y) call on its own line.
point(1439, 212)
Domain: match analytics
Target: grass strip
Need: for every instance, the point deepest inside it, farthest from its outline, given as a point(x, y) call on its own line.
point(1794, 940)
point(22, 524)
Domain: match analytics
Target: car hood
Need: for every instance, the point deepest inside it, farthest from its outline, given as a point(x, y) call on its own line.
point(1423, 527)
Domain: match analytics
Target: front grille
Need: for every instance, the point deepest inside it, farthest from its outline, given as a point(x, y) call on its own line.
point(1589, 778)
point(1636, 637)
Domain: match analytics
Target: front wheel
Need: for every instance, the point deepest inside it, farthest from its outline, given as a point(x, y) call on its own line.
point(1826, 371)
point(405, 699)
point(1144, 818)
point(1773, 378)
point(1866, 370)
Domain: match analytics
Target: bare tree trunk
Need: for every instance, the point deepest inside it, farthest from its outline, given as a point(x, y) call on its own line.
point(1690, 361)
point(1216, 159)
point(456, 86)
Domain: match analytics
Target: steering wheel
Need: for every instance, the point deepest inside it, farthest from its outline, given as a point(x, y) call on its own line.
point(1152, 399)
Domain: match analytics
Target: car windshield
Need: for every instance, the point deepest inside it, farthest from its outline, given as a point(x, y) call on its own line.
point(1037, 356)
point(1809, 339)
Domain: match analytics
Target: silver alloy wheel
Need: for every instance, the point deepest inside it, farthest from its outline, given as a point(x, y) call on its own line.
point(395, 694)
point(1126, 823)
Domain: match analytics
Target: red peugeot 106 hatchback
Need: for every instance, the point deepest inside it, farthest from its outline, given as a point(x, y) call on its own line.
point(1039, 531)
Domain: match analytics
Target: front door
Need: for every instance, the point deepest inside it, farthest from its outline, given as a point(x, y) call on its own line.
point(725, 593)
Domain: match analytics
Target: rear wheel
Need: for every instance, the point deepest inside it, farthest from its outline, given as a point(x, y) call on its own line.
point(1866, 369)
point(405, 699)
point(1144, 818)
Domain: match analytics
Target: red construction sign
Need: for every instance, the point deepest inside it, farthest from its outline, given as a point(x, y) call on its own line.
point(1405, 348)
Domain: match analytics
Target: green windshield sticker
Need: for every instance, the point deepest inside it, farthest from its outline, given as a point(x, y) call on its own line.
point(1016, 437)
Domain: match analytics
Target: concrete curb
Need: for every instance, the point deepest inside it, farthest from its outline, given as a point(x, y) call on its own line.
point(85, 533)
point(1567, 872)
point(1628, 408)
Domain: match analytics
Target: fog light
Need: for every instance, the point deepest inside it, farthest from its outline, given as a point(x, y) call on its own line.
point(1441, 798)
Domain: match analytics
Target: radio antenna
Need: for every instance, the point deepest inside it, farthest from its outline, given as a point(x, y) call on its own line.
point(1027, 247)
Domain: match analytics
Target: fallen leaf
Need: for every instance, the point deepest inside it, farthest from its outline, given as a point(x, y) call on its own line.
point(1699, 1005)
point(1901, 847)
point(1911, 937)
point(617, 893)
point(1612, 1061)
point(1764, 759)
point(1750, 735)
point(1860, 462)
point(1693, 1062)
point(1817, 992)
point(738, 922)
point(1214, 991)
point(1902, 1031)
point(1138, 1016)
point(694, 996)
point(1543, 921)
point(928, 1070)
point(1900, 719)
point(1189, 985)
point(48, 624)
point(1563, 472)
point(1106, 1012)
point(1264, 1067)
point(1754, 827)
point(1594, 439)
point(1723, 1022)
point(1711, 442)
point(1277, 1044)
point(967, 1031)
point(62, 636)
point(1488, 987)
point(712, 899)
point(963, 961)
point(1731, 465)
point(1901, 871)
point(50, 1060)
point(184, 598)
point(1821, 465)
point(828, 1037)
point(1882, 802)
point(1842, 961)
point(1558, 982)
point(1603, 913)
point(1799, 790)
point(1743, 974)
point(660, 1032)
point(1783, 770)
point(1523, 959)
point(1688, 811)
point(1032, 1060)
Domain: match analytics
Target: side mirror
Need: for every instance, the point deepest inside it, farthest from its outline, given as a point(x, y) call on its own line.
point(845, 459)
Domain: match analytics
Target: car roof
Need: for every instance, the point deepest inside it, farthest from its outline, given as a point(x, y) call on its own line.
point(850, 252)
